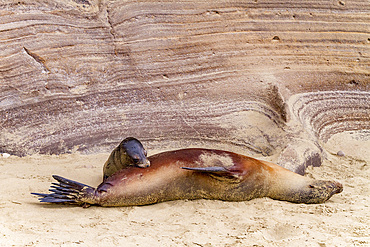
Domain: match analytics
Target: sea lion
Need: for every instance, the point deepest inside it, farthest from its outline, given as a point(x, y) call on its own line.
point(130, 152)
point(194, 174)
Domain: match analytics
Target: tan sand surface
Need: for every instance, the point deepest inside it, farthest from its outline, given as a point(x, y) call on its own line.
point(342, 221)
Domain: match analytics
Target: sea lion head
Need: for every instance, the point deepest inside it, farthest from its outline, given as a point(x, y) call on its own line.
point(136, 151)
point(318, 191)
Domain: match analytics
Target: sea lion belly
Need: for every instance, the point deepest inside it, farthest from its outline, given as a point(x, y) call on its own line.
point(164, 180)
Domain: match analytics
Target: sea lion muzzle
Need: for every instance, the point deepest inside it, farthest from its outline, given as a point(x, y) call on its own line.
point(142, 162)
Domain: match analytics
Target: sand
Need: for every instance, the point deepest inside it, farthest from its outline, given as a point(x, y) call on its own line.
point(342, 221)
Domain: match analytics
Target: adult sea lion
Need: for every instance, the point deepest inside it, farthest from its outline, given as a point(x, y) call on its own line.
point(130, 152)
point(194, 174)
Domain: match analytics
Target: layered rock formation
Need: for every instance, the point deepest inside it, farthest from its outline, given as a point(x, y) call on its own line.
point(258, 77)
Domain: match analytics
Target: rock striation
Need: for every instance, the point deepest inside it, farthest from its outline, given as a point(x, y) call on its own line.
point(258, 77)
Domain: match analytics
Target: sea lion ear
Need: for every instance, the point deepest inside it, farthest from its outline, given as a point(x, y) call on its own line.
point(218, 171)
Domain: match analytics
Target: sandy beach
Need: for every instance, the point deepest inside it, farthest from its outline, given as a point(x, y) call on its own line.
point(282, 81)
point(342, 221)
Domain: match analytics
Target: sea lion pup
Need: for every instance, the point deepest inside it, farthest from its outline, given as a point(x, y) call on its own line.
point(194, 174)
point(130, 152)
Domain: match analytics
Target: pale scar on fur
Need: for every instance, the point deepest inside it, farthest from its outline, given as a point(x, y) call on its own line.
point(211, 160)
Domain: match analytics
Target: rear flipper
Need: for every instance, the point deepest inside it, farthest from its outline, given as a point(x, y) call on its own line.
point(68, 192)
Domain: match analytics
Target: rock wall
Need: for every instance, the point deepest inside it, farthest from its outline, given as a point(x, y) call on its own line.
point(257, 77)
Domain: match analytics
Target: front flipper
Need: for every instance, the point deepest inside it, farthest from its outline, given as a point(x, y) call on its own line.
point(216, 171)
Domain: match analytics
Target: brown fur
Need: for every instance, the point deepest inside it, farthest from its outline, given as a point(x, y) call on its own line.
point(244, 178)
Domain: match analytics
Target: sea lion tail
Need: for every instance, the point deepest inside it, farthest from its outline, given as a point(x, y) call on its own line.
point(68, 192)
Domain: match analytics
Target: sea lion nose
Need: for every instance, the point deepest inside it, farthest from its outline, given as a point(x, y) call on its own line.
point(338, 186)
point(144, 164)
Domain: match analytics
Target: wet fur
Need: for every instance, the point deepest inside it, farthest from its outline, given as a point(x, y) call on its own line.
point(121, 157)
point(117, 160)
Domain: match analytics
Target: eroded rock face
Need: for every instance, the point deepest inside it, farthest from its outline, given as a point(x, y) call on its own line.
point(253, 77)
point(330, 112)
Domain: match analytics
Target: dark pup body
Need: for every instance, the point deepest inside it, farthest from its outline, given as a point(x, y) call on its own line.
point(130, 152)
